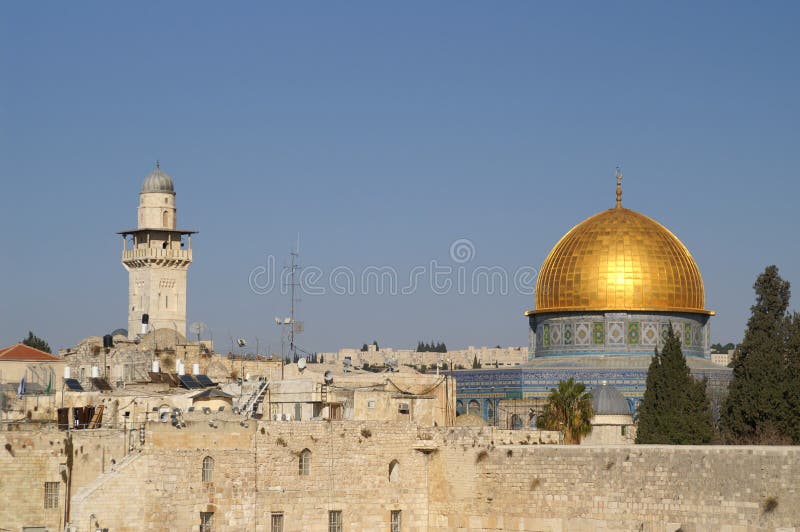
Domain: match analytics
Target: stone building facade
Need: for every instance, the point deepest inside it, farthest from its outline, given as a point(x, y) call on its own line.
point(367, 473)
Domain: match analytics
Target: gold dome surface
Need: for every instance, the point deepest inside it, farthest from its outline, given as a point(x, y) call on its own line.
point(622, 260)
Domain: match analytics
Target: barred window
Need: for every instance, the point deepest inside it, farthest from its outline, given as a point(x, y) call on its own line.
point(304, 464)
point(51, 494)
point(277, 522)
point(206, 521)
point(394, 471)
point(208, 469)
point(396, 520)
point(335, 521)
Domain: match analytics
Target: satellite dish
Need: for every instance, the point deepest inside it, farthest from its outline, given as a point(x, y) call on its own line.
point(241, 342)
point(277, 320)
point(301, 364)
point(119, 332)
point(391, 364)
point(328, 377)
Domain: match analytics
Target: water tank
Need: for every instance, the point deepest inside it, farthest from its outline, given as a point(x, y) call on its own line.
point(95, 372)
point(195, 369)
point(156, 366)
point(66, 372)
point(181, 369)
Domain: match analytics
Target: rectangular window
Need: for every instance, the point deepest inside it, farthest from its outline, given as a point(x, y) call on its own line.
point(51, 494)
point(370, 404)
point(277, 522)
point(206, 521)
point(335, 521)
point(396, 520)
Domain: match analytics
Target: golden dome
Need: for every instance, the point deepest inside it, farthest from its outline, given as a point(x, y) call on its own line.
point(619, 260)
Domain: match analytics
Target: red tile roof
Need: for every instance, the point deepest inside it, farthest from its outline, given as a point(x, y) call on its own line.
point(26, 353)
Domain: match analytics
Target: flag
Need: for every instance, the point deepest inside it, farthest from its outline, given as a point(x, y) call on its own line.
point(21, 388)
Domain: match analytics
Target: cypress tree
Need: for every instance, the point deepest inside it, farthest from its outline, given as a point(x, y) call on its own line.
point(675, 408)
point(758, 408)
point(37, 343)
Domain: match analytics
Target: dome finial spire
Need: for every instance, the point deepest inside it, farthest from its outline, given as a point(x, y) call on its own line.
point(618, 175)
point(158, 165)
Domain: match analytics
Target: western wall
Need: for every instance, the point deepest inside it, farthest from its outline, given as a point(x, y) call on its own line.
point(441, 478)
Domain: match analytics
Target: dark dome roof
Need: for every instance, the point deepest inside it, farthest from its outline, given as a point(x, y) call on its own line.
point(608, 401)
point(158, 181)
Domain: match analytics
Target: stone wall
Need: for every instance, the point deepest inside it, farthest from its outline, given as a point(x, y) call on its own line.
point(29, 458)
point(642, 488)
point(447, 478)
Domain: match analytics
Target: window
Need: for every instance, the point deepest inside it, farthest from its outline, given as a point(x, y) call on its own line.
point(206, 521)
point(51, 494)
point(370, 404)
point(208, 469)
point(396, 520)
point(277, 522)
point(298, 411)
point(304, 464)
point(394, 471)
point(335, 521)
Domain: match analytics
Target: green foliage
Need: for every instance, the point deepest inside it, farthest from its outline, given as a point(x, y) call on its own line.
point(37, 343)
point(375, 343)
point(569, 409)
point(475, 363)
point(763, 403)
point(719, 348)
point(364, 348)
point(433, 347)
point(675, 408)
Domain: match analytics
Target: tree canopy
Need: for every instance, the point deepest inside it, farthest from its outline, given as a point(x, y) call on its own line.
point(433, 347)
point(569, 409)
point(37, 343)
point(675, 408)
point(763, 402)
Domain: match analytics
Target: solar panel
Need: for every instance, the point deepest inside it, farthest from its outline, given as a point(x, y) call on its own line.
point(73, 385)
point(204, 381)
point(188, 382)
point(101, 384)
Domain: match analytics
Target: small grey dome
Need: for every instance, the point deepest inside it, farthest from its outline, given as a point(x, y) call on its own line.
point(158, 181)
point(608, 401)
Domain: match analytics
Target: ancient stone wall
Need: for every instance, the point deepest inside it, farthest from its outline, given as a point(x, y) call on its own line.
point(441, 478)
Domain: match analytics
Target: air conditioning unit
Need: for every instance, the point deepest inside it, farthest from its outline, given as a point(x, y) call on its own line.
point(403, 408)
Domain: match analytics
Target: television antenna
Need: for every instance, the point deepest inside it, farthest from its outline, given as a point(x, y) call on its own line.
point(198, 328)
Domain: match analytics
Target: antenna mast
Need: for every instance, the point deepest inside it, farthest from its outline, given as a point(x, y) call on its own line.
point(292, 284)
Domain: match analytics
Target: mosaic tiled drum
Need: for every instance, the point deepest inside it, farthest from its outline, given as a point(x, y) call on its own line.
point(606, 296)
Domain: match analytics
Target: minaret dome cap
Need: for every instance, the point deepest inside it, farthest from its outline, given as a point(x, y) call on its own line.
point(158, 181)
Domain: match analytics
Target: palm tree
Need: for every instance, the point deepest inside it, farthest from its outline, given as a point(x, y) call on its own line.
point(569, 409)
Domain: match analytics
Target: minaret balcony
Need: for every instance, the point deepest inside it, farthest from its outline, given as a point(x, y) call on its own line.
point(156, 254)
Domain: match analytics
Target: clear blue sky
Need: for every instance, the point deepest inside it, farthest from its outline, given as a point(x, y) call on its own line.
point(382, 133)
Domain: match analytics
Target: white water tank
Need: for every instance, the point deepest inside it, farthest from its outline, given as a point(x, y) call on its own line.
point(156, 366)
point(95, 372)
point(195, 369)
point(181, 369)
point(66, 372)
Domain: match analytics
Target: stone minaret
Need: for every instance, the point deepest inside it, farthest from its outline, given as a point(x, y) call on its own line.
point(157, 255)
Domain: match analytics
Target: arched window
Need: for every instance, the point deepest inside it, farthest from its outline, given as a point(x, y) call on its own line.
point(304, 464)
point(474, 407)
point(166, 219)
point(394, 471)
point(459, 407)
point(208, 469)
